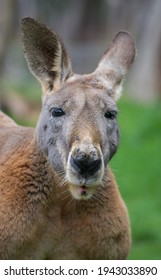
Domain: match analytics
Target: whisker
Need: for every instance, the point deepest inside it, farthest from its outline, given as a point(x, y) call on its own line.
point(63, 195)
point(98, 199)
point(63, 182)
point(61, 172)
point(69, 202)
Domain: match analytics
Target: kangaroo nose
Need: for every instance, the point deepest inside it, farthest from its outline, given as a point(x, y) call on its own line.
point(85, 165)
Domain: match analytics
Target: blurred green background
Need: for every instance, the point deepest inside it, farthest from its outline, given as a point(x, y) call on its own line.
point(86, 28)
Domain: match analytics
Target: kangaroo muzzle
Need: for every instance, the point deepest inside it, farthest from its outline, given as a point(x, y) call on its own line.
point(85, 166)
point(86, 159)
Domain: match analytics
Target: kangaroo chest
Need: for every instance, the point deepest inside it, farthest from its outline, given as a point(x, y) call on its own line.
point(66, 235)
point(73, 236)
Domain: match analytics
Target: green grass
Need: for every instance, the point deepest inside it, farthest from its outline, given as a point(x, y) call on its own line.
point(137, 167)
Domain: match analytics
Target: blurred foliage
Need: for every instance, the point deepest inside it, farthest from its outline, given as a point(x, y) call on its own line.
point(47, 6)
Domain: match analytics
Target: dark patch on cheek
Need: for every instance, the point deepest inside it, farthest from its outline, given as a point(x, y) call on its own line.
point(45, 127)
point(118, 134)
point(51, 141)
point(111, 143)
point(114, 142)
point(46, 152)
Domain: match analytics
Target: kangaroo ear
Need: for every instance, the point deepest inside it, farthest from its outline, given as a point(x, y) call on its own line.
point(117, 60)
point(45, 54)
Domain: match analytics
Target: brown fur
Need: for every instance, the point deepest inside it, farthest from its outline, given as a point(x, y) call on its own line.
point(5, 120)
point(39, 215)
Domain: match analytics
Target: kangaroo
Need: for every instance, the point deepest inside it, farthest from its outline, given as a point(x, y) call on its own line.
point(58, 196)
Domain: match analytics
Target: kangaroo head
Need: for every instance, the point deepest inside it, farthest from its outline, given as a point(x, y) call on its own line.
point(77, 128)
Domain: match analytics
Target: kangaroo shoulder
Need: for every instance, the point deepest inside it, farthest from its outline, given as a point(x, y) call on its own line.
point(5, 120)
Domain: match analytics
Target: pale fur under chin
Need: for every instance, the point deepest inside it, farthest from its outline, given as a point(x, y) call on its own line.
point(76, 192)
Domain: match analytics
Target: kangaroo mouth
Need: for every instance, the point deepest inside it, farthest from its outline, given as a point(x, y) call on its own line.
point(81, 192)
point(83, 187)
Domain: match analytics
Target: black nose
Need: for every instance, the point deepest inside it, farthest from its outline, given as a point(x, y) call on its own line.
point(84, 165)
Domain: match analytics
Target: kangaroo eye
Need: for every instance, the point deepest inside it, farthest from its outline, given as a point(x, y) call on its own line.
point(57, 112)
point(110, 115)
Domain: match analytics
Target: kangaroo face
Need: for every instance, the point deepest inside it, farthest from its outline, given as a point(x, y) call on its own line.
point(77, 128)
point(78, 132)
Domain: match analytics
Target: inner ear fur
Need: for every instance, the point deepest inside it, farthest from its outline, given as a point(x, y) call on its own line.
point(45, 53)
point(117, 60)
